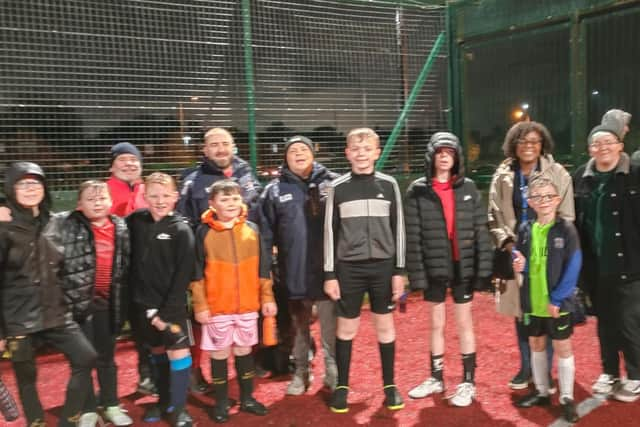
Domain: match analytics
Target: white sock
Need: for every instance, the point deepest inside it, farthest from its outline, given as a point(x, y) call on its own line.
point(566, 377)
point(540, 371)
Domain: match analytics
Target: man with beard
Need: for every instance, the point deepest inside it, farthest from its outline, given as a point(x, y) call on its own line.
point(219, 163)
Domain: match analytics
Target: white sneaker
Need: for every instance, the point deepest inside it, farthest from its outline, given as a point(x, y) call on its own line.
point(629, 392)
point(430, 386)
point(117, 416)
point(88, 419)
point(604, 384)
point(465, 392)
point(298, 385)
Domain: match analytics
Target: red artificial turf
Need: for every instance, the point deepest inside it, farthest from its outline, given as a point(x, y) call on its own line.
point(497, 363)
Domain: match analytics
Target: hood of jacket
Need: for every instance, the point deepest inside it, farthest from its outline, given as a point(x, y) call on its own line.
point(444, 139)
point(15, 173)
point(318, 173)
point(209, 217)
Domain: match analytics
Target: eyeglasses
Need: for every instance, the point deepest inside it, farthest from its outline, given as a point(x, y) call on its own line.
point(543, 197)
point(529, 141)
point(596, 145)
point(29, 183)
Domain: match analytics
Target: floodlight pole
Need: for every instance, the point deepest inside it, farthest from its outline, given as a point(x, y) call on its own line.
point(422, 77)
point(249, 82)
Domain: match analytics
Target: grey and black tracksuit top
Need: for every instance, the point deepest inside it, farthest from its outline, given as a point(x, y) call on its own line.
point(363, 221)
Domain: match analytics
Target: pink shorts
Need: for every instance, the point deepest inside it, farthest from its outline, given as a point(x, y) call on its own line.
point(226, 330)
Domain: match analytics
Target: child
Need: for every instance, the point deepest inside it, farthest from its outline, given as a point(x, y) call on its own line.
point(364, 252)
point(96, 264)
point(549, 258)
point(447, 248)
point(162, 264)
point(33, 309)
point(228, 294)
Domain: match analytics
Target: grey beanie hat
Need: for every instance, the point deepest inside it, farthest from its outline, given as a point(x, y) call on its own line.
point(616, 119)
point(444, 139)
point(124, 148)
point(295, 139)
point(600, 129)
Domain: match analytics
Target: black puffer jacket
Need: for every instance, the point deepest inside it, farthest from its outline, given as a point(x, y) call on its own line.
point(73, 233)
point(429, 252)
point(31, 292)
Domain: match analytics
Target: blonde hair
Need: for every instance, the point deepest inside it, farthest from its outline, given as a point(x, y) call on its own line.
point(539, 180)
point(362, 134)
point(162, 179)
point(218, 130)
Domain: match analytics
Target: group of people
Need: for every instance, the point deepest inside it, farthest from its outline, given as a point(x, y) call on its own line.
point(135, 249)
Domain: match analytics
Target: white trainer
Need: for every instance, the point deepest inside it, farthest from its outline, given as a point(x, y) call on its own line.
point(465, 392)
point(117, 416)
point(430, 386)
point(88, 419)
point(628, 392)
point(604, 384)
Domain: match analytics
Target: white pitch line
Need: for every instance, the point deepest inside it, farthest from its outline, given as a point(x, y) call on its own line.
point(583, 408)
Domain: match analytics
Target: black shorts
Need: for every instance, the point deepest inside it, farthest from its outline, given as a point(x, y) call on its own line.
point(151, 337)
point(558, 329)
point(462, 291)
point(356, 278)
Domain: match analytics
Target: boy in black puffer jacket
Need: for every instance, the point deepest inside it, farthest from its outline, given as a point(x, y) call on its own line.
point(447, 247)
point(96, 265)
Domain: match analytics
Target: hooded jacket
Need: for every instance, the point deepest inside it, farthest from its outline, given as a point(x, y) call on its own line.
point(162, 263)
point(194, 198)
point(75, 237)
point(228, 279)
point(429, 251)
point(291, 213)
point(31, 294)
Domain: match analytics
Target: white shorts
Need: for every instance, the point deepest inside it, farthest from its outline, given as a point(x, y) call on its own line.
point(225, 330)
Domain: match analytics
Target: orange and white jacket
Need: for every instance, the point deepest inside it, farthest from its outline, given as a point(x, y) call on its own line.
point(227, 273)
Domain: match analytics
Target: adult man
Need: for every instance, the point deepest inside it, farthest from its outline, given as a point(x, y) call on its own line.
point(608, 220)
point(219, 162)
point(125, 184)
point(291, 212)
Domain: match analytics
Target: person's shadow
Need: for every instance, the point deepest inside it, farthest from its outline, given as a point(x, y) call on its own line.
point(443, 415)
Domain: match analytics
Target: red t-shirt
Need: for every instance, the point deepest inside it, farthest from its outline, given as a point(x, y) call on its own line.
point(444, 190)
point(104, 238)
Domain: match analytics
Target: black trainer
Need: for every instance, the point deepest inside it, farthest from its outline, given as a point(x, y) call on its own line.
point(533, 399)
point(220, 412)
point(569, 412)
point(181, 418)
point(392, 399)
point(338, 402)
point(252, 406)
point(152, 414)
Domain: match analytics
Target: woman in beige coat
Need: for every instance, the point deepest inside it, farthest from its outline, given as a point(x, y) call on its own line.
point(527, 148)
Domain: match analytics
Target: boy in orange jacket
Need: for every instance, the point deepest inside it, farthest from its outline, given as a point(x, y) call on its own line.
point(228, 292)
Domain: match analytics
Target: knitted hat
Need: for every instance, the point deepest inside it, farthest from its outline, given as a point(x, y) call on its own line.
point(444, 139)
point(617, 120)
point(124, 148)
point(295, 139)
point(602, 129)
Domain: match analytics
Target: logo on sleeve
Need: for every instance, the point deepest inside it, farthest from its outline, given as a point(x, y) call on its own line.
point(163, 236)
point(467, 197)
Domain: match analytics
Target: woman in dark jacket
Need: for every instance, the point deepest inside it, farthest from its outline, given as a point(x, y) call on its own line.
point(34, 310)
point(447, 247)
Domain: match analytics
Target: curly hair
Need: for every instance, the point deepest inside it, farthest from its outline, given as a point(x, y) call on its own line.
point(519, 130)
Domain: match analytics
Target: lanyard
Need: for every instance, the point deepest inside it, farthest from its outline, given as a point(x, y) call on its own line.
point(524, 190)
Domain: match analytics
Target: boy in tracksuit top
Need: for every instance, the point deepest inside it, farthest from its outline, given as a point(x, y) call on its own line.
point(228, 293)
point(162, 265)
point(364, 252)
point(549, 257)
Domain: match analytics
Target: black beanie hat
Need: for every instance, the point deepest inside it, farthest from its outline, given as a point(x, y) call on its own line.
point(298, 138)
point(124, 148)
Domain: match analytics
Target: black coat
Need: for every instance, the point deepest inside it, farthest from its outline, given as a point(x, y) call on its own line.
point(31, 292)
point(291, 213)
point(429, 252)
point(76, 238)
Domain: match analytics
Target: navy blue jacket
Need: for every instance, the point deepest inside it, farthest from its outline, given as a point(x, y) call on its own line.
point(291, 215)
point(564, 260)
point(194, 198)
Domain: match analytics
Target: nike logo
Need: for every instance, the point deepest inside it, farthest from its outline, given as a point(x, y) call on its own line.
point(163, 236)
point(563, 327)
point(380, 196)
